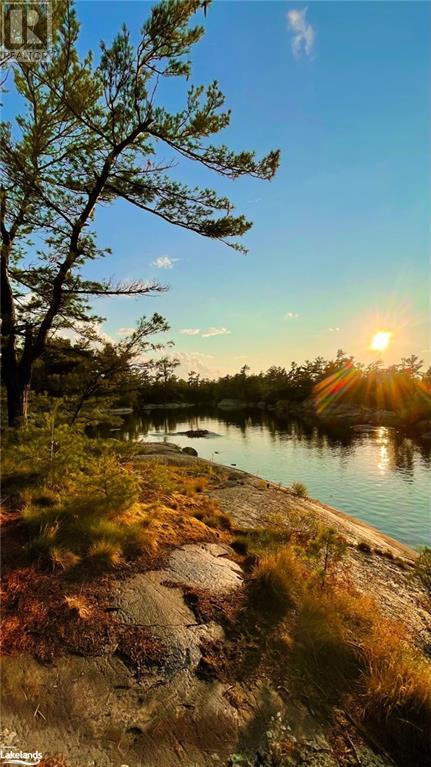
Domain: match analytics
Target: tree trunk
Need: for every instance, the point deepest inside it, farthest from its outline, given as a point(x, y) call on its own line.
point(18, 390)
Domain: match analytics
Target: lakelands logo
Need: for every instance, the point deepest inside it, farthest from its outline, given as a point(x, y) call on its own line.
point(11, 756)
point(25, 30)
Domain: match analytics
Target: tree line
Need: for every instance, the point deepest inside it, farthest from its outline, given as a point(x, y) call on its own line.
point(135, 373)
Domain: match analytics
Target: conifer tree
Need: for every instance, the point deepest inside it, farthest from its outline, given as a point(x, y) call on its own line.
point(90, 133)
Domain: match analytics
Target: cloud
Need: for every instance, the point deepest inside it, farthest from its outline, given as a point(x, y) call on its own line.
point(164, 262)
point(82, 330)
point(303, 34)
point(190, 331)
point(291, 316)
point(215, 332)
point(197, 361)
point(121, 332)
point(334, 330)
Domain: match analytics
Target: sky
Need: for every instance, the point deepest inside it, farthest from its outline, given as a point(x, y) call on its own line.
point(341, 239)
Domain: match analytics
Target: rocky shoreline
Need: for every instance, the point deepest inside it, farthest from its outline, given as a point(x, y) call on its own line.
point(98, 708)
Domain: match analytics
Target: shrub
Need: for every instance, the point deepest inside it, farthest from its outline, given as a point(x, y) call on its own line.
point(423, 567)
point(211, 516)
point(109, 485)
point(240, 546)
point(299, 489)
point(328, 548)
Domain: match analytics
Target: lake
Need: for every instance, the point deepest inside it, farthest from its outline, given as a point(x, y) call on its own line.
point(379, 476)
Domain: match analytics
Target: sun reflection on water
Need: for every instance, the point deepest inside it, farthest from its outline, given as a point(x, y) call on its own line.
point(383, 454)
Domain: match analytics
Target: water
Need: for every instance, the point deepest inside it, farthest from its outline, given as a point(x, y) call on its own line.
point(379, 476)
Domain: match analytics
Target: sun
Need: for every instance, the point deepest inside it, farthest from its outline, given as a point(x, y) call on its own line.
point(380, 341)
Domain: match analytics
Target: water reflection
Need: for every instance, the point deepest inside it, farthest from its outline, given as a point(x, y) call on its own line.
point(378, 474)
point(395, 451)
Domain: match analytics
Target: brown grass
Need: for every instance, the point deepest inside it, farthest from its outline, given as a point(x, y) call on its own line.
point(338, 640)
point(396, 691)
point(276, 583)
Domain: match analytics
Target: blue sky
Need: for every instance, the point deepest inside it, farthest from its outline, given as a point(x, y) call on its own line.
point(341, 239)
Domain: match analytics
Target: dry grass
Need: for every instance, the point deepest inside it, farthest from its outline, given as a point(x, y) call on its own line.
point(396, 691)
point(276, 582)
point(338, 640)
point(78, 605)
point(299, 489)
point(106, 553)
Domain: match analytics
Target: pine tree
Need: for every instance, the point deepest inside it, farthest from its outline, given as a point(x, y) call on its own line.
point(90, 134)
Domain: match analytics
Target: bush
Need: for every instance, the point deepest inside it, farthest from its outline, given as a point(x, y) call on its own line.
point(299, 489)
point(328, 549)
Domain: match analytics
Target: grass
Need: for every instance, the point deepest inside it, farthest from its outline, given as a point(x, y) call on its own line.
point(396, 691)
point(339, 641)
point(299, 489)
point(276, 583)
point(84, 502)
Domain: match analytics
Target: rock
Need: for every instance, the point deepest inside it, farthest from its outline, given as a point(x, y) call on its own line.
point(231, 404)
point(195, 433)
point(189, 451)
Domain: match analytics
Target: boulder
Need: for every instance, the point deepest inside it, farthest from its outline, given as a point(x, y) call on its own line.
point(189, 451)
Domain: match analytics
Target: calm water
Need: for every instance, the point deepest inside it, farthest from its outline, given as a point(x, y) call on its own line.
point(378, 476)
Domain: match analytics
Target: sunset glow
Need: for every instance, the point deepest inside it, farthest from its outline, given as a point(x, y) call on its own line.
point(380, 341)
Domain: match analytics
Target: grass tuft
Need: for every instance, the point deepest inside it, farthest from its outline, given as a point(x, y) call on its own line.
point(106, 553)
point(299, 489)
point(276, 583)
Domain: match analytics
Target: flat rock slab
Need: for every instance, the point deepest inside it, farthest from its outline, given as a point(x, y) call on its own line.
point(144, 600)
point(205, 566)
point(94, 712)
point(147, 600)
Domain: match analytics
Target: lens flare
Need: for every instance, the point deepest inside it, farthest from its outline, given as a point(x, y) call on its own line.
point(380, 341)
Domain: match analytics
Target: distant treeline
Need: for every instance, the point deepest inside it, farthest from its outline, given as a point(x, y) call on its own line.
point(118, 373)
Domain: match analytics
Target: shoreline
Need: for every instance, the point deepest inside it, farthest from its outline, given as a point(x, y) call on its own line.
point(354, 527)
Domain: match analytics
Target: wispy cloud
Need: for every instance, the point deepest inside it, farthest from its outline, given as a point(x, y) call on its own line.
point(334, 330)
point(208, 333)
point(215, 332)
point(291, 316)
point(121, 332)
point(164, 262)
point(303, 34)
